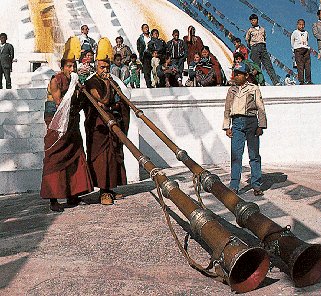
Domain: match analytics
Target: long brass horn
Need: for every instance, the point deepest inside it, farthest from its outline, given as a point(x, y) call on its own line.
point(243, 268)
point(303, 259)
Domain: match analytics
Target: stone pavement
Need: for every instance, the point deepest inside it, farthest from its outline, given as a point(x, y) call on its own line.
point(127, 249)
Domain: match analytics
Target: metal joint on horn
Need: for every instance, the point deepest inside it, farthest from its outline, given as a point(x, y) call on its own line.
point(168, 186)
point(154, 172)
point(273, 246)
point(208, 180)
point(143, 160)
point(139, 113)
point(111, 123)
point(181, 155)
point(243, 210)
point(198, 218)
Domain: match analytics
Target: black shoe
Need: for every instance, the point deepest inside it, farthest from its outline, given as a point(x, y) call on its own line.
point(310, 82)
point(56, 207)
point(73, 201)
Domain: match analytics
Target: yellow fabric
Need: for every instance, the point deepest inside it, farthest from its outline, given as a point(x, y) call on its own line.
point(104, 50)
point(72, 49)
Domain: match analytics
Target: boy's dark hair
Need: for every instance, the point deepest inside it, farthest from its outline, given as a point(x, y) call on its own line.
point(175, 31)
point(239, 55)
point(154, 30)
point(318, 12)
point(117, 55)
point(253, 17)
point(238, 40)
point(83, 26)
point(300, 20)
point(144, 25)
point(206, 48)
point(133, 56)
point(4, 35)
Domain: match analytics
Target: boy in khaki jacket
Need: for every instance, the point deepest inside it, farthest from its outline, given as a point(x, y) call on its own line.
point(244, 120)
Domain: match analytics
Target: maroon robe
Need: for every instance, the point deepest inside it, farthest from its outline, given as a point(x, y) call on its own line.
point(65, 172)
point(105, 155)
point(193, 47)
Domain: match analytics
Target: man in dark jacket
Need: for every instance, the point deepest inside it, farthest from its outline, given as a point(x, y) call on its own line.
point(156, 44)
point(144, 55)
point(6, 58)
point(177, 48)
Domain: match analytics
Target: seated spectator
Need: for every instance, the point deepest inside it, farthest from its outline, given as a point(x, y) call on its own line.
point(123, 50)
point(288, 81)
point(168, 73)
point(194, 44)
point(255, 72)
point(239, 47)
point(86, 67)
point(177, 49)
point(220, 78)
point(155, 64)
point(135, 67)
point(120, 70)
point(191, 81)
point(204, 73)
point(156, 44)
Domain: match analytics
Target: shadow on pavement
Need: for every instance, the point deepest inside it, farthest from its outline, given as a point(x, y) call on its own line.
point(24, 220)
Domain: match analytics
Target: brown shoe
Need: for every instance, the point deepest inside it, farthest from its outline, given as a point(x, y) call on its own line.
point(106, 198)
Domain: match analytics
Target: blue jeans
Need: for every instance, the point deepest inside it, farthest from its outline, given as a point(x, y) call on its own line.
point(244, 129)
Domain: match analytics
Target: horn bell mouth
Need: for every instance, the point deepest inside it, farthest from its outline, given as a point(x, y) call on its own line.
point(306, 269)
point(249, 270)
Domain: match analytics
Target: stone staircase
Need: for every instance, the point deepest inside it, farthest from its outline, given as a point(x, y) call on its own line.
point(21, 139)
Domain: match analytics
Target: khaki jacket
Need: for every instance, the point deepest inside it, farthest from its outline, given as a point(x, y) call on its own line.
point(254, 36)
point(244, 100)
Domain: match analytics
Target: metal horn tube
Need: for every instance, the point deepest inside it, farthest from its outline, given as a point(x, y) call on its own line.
point(242, 267)
point(302, 259)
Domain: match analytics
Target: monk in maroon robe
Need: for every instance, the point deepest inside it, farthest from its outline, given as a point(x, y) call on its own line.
point(105, 155)
point(65, 171)
point(194, 44)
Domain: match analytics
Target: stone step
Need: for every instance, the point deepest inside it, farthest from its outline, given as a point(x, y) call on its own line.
point(20, 181)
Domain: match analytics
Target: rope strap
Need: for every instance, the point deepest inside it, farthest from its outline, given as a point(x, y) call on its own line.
point(182, 249)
